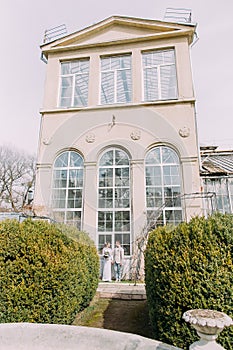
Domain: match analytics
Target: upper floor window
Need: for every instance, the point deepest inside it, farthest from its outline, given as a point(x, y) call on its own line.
point(74, 83)
point(159, 75)
point(116, 79)
point(67, 188)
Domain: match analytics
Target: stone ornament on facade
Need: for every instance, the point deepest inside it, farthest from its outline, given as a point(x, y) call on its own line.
point(208, 324)
point(184, 132)
point(47, 141)
point(90, 138)
point(135, 135)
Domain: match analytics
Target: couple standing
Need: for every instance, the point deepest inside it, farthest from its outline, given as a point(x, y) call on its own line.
point(115, 257)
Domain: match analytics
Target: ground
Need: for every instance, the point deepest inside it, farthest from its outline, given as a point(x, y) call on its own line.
point(130, 316)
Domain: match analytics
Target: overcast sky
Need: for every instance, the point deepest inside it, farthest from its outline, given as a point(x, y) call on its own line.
point(22, 25)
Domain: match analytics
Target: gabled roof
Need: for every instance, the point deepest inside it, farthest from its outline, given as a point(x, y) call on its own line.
point(217, 163)
point(119, 29)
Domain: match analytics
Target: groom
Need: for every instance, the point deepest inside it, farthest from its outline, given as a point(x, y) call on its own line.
point(118, 258)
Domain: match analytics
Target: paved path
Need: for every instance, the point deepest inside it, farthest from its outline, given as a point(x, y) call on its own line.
point(125, 291)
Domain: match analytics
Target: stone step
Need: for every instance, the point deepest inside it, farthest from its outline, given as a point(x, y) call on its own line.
point(124, 291)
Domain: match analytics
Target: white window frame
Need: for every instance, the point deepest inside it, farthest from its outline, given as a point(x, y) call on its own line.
point(114, 209)
point(73, 76)
point(161, 210)
point(65, 210)
point(115, 71)
point(158, 75)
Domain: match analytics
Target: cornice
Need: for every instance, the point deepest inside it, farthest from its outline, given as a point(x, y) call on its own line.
point(145, 38)
point(117, 106)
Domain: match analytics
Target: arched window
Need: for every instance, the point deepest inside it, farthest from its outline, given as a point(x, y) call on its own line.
point(163, 186)
point(67, 188)
point(114, 199)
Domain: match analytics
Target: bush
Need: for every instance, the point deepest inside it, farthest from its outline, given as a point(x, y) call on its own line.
point(45, 276)
point(189, 267)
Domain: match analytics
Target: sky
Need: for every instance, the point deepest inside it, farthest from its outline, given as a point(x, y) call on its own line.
point(22, 26)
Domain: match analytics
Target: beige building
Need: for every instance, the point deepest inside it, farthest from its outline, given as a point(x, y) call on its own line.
point(118, 139)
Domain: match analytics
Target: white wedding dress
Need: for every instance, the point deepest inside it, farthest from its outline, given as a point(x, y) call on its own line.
point(107, 265)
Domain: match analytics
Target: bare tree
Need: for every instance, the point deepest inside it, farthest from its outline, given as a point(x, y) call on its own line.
point(17, 178)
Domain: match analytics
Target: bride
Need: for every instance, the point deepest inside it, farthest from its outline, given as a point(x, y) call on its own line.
point(107, 266)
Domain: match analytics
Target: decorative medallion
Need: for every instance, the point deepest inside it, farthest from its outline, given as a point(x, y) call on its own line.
point(90, 138)
point(47, 141)
point(184, 132)
point(135, 135)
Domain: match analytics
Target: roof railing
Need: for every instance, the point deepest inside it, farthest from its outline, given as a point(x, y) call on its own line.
point(182, 15)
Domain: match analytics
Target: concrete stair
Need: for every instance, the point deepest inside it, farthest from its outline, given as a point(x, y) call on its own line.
point(124, 291)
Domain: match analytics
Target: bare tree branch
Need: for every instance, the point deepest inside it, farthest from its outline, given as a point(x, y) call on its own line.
point(17, 178)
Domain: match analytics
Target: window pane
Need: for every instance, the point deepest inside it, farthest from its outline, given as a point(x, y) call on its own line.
point(122, 221)
point(74, 198)
point(102, 240)
point(105, 177)
point(121, 158)
point(169, 156)
point(122, 198)
point(115, 63)
point(67, 186)
point(107, 159)
point(105, 64)
point(74, 83)
point(105, 221)
point(168, 82)
point(122, 177)
point(153, 176)
point(124, 87)
point(59, 198)
point(153, 157)
point(159, 70)
point(124, 239)
point(116, 84)
point(163, 186)
point(75, 178)
point(60, 179)
point(107, 88)
point(151, 84)
point(106, 198)
point(154, 197)
point(62, 160)
point(65, 68)
point(81, 90)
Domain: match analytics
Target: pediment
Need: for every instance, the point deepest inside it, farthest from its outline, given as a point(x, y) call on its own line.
point(115, 29)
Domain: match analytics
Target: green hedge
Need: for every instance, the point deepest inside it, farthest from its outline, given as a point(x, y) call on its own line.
point(189, 267)
point(45, 276)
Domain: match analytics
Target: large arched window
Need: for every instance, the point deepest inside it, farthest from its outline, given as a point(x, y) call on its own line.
point(67, 188)
point(163, 186)
point(114, 199)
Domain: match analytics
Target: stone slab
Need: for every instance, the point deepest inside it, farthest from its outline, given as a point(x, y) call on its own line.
point(32, 336)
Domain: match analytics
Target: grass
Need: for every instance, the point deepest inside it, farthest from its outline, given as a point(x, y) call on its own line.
point(129, 316)
point(93, 315)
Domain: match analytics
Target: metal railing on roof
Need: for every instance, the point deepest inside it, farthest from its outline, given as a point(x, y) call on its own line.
point(54, 33)
point(182, 15)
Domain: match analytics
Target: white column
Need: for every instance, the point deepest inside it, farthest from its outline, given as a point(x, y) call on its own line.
point(90, 200)
point(138, 196)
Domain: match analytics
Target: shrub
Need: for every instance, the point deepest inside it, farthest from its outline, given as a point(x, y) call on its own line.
point(45, 276)
point(189, 267)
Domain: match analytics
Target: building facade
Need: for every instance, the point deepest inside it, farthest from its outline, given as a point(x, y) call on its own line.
point(118, 140)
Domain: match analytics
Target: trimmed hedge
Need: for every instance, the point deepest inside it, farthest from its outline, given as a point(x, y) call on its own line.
point(189, 267)
point(45, 276)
